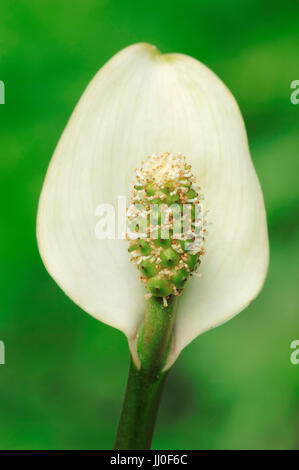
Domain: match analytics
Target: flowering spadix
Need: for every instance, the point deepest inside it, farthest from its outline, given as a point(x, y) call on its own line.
point(142, 103)
point(168, 225)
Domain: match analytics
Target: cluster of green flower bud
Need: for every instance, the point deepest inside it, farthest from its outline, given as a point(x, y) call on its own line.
point(166, 225)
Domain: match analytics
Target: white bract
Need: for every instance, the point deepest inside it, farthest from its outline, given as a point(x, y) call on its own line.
point(141, 103)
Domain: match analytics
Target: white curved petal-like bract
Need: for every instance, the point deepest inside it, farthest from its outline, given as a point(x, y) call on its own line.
point(142, 102)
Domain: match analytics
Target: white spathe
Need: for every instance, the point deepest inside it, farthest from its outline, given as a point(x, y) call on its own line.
point(142, 102)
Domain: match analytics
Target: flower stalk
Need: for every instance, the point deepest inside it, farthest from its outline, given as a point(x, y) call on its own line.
point(145, 385)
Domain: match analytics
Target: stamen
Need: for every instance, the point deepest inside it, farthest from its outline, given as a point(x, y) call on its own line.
point(164, 185)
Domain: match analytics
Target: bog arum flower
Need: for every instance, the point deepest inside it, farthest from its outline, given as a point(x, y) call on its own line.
point(144, 103)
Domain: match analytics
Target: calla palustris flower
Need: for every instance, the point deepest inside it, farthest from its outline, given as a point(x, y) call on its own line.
point(144, 103)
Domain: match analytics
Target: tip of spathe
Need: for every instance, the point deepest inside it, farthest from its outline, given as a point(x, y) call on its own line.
point(151, 48)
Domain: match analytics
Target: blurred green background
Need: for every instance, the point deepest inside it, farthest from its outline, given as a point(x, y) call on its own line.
point(65, 373)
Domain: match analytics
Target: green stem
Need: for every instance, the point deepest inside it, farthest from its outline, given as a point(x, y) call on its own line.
point(145, 385)
point(140, 408)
